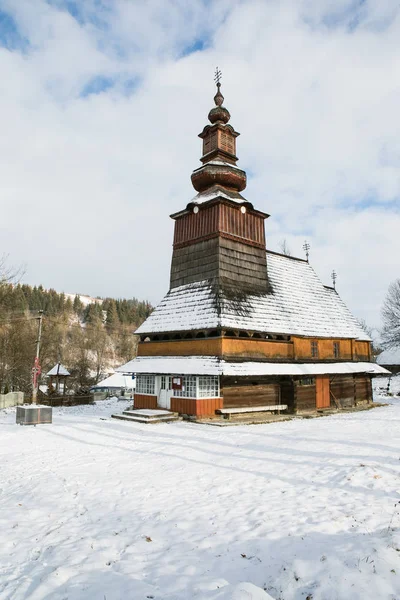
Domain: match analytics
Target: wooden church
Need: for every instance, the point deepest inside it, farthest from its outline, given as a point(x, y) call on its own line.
point(243, 329)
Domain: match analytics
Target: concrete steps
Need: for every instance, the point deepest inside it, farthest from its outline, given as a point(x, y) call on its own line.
point(147, 416)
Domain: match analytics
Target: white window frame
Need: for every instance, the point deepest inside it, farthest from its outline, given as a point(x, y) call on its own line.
point(204, 386)
point(187, 384)
point(149, 382)
point(208, 386)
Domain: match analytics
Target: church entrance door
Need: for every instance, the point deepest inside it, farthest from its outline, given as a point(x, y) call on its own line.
point(164, 397)
point(323, 391)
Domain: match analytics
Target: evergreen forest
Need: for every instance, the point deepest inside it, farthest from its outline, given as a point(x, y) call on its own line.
point(88, 339)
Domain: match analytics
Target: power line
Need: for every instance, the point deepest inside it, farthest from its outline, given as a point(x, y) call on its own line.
point(85, 326)
point(26, 319)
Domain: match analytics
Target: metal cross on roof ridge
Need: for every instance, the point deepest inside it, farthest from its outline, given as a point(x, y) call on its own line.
point(306, 248)
point(334, 277)
point(218, 76)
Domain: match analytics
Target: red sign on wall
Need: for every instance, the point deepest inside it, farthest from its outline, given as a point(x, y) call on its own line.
point(177, 383)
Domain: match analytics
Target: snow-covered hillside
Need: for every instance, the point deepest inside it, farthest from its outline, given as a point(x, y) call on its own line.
point(86, 300)
point(97, 509)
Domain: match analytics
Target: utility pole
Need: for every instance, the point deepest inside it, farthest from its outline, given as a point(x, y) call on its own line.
point(36, 368)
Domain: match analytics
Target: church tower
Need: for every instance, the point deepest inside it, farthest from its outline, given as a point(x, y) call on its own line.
point(219, 237)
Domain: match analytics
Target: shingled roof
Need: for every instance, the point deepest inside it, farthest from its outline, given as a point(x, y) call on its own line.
point(299, 304)
point(60, 370)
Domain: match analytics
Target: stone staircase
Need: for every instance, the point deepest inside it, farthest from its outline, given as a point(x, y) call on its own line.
point(144, 415)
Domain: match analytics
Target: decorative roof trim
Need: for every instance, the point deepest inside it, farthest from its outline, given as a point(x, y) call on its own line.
point(224, 199)
point(220, 234)
point(287, 256)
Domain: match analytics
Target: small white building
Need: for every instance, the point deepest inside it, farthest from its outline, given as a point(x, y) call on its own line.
point(390, 359)
point(117, 384)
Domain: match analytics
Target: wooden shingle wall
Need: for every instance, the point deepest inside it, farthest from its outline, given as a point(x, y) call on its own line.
point(223, 261)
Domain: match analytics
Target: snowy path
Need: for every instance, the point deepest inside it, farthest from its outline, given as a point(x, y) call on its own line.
point(97, 509)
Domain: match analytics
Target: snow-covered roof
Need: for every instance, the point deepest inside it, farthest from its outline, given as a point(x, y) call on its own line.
point(217, 191)
point(117, 380)
point(298, 305)
point(206, 365)
point(58, 369)
point(389, 357)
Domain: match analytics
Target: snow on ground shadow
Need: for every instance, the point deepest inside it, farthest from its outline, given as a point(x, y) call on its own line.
point(98, 509)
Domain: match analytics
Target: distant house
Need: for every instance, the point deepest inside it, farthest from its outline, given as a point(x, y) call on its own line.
point(390, 359)
point(115, 385)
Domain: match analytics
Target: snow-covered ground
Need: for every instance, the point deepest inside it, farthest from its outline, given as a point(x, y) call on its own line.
point(98, 509)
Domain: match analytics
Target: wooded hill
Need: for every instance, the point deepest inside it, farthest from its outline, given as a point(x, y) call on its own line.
point(88, 340)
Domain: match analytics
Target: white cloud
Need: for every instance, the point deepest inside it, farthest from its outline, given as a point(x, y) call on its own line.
point(87, 183)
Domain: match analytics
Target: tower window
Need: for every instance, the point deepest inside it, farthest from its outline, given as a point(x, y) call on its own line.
point(210, 142)
point(227, 142)
point(314, 349)
point(336, 349)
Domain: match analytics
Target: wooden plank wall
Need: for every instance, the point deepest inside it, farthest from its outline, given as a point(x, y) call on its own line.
point(192, 226)
point(199, 347)
point(287, 393)
point(305, 397)
point(243, 394)
point(342, 388)
point(363, 388)
point(219, 218)
point(218, 346)
point(302, 348)
point(200, 407)
point(247, 225)
point(256, 348)
point(144, 401)
point(362, 350)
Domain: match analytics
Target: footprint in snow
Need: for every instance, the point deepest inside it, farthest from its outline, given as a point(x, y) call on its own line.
point(35, 554)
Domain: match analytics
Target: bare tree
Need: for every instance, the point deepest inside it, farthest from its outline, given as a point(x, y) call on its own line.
point(391, 316)
point(9, 274)
point(284, 248)
point(364, 325)
point(373, 333)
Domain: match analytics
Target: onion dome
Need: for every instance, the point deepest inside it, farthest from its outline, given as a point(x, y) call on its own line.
point(219, 112)
point(227, 175)
point(219, 151)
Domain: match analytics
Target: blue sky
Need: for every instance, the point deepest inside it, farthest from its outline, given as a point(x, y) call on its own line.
point(10, 36)
point(102, 102)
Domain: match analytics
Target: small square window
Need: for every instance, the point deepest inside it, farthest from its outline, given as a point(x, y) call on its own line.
point(314, 349)
point(306, 381)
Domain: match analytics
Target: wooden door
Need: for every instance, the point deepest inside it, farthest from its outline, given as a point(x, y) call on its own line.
point(323, 391)
point(164, 397)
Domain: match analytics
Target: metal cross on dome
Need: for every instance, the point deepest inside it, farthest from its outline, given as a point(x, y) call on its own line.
point(218, 77)
point(334, 277)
